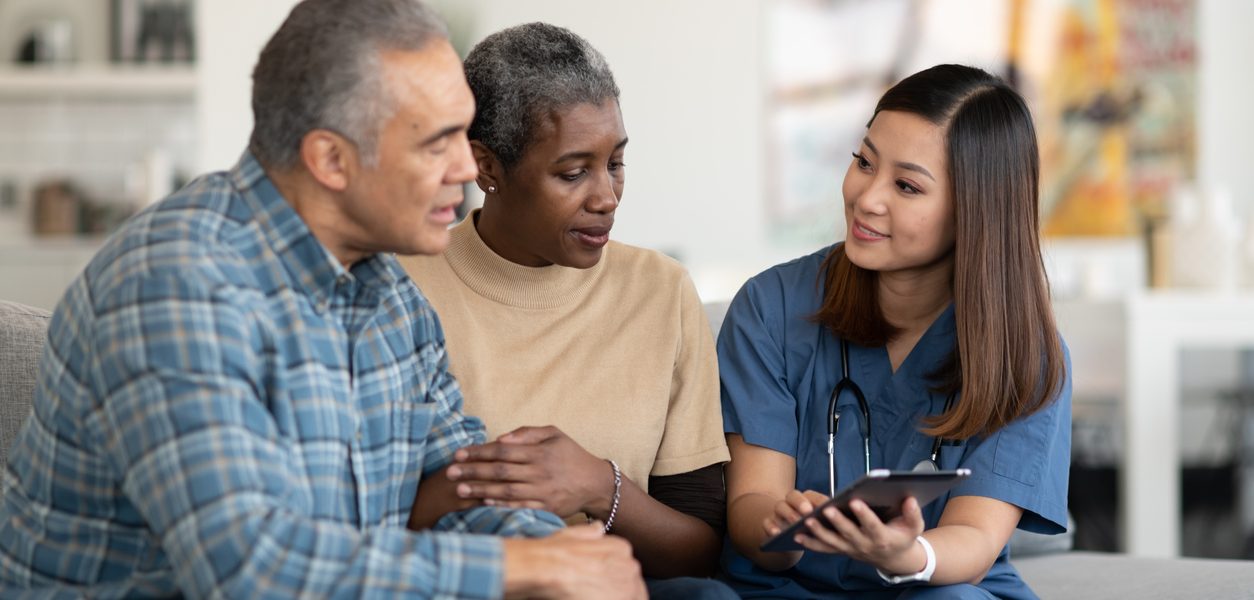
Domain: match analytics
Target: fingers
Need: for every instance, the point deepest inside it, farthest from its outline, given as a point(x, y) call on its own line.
point(867, 522)
point(532, 504)
point(591, 531)
point(493, 472)
point(496, 452)
point(530, 435)
point(815, 498)
point(912, 515)
point(800, 503)
point(835, 535)
point(496, 494)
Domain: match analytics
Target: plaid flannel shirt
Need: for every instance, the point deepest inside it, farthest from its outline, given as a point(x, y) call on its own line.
point(224, 410)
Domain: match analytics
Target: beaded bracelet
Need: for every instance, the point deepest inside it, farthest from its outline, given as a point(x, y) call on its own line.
point(618, 488)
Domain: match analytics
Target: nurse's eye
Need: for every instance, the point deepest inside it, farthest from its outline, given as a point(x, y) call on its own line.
point(861, 161)
point(907, 187)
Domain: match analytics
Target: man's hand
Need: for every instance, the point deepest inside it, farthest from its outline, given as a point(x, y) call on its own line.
point(535, 467)
point(578, 562)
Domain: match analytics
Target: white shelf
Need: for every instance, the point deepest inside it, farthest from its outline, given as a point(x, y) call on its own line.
point(98, 81)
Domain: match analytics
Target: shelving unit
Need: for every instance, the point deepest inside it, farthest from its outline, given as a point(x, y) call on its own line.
point(99, 81)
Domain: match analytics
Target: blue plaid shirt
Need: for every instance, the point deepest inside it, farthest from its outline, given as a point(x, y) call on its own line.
point(224, 410)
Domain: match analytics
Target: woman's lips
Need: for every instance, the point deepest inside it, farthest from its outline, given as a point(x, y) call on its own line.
point(866, 234)
point(592, 237)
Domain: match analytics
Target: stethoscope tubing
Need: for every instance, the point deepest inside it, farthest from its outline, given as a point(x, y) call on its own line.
point(833, 423)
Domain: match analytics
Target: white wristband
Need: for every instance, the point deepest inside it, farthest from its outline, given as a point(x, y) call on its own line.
point(924, 575)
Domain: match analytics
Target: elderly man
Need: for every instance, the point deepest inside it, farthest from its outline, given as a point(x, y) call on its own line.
point(243, 394)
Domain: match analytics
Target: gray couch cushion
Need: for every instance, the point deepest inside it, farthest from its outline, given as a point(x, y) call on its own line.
point(1082, 575)
point(22, 333)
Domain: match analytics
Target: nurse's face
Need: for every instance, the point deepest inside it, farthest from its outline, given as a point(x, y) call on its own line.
point(898, 208)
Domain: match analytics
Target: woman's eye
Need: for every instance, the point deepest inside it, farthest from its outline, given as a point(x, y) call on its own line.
point(614, 166)
point(906, 187)
point(861, 160)
point(572, 175)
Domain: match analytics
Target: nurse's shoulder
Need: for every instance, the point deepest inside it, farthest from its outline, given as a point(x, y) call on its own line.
point(791, 289)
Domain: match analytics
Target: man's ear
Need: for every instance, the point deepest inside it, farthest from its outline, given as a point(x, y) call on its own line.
point(491, 173)
point(330, 157)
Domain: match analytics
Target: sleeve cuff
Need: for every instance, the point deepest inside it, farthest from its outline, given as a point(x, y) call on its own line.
point(468, 566)
point(684, 464)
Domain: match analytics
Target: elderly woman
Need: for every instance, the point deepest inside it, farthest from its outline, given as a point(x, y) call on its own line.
point(591, 362)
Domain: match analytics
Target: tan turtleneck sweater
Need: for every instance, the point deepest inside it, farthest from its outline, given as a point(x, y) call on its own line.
point(618, 356)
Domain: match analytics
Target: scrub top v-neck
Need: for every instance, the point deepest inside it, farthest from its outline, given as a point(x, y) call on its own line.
point(778, 368)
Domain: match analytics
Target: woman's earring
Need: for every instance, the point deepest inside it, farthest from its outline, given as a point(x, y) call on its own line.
point(492, 189)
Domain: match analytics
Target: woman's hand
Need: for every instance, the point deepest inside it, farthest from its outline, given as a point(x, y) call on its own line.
point(791, 509)
point(891, 546)
point(535, 467)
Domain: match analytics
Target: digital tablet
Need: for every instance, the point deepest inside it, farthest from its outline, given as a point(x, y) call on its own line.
point(883, 491)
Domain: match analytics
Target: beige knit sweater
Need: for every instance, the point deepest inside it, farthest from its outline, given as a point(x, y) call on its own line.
point(619, 356)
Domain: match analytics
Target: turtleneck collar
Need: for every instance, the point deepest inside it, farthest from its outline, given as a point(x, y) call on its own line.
point(500, 280)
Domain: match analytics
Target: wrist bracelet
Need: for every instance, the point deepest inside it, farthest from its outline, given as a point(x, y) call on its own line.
point(925, 575)
point(618, 488)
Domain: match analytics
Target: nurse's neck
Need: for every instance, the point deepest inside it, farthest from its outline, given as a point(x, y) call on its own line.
point(911, 301)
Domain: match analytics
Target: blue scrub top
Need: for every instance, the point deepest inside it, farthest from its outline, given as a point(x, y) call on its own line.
point(778, 369)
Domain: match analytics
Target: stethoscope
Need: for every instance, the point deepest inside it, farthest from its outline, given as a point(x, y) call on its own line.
point(833, 424)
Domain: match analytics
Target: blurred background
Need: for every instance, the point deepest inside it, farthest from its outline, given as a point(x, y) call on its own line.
point(742, 115)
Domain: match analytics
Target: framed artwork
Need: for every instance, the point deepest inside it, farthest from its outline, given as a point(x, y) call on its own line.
point(152, 31)
point(1115, 107)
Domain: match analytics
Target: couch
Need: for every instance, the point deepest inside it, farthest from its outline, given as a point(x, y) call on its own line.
point(1045, 562)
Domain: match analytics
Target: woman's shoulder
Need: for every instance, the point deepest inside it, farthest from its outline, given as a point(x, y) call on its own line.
point(799, 275)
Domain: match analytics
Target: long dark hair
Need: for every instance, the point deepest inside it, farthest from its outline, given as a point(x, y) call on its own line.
point(1008, 361)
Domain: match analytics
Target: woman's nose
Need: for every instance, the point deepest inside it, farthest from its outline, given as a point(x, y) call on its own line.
point(872, 199)
point(604, 197)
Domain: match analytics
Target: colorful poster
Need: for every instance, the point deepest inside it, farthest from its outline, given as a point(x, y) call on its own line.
point(1116, 114)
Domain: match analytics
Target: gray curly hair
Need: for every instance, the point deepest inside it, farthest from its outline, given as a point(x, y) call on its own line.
point(519, 75)
point(321, 70)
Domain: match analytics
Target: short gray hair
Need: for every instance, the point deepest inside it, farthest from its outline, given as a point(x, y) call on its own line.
point(521, 74)
point(321, 70)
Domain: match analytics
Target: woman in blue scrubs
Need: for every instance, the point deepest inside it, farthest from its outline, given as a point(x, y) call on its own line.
point(939, 298)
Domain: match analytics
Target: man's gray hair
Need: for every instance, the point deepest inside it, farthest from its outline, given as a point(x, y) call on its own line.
point(522, 74)
point(321, 70)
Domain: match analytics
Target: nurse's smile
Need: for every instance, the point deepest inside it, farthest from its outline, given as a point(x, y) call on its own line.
point(866, 234)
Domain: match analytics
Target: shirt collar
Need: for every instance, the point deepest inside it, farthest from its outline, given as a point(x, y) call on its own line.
point(309, 263)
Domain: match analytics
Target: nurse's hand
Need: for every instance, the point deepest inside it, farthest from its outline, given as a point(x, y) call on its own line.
point(890, 546)
point(791, 509)
point(534, 467)
point(795, 505)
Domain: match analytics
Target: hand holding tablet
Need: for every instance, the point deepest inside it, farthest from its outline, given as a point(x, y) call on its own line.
point(883, 491)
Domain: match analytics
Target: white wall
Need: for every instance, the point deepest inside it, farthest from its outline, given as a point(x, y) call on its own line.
point(230, 35)
point(1225, 90)
point(690, 71)
point(690, 76)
